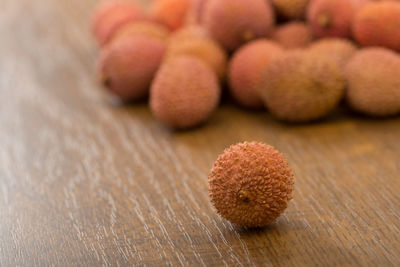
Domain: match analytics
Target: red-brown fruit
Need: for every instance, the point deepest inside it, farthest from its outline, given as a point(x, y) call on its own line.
point(109, 16)
point(291, 9)
point(338, 49)
point(293, 35)
point(378, 24)
point(146, 28)
point(128, 65)
point(333, 18)
point(251, 184)
point(246, 70)
point(235, 22)
point(203, 48)
point(184, 93)
point(170, 13)
point(373, 77)
point(188, 32)
point(196, 11)
point(300, 86)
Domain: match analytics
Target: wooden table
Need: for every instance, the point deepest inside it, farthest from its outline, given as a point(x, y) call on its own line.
point(87, 181)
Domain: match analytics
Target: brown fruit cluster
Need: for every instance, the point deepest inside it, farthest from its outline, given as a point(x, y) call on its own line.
point(295, 58)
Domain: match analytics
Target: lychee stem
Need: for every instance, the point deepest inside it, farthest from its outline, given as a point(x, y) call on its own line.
point(106, 81)
point(324, 21)
point(248, 35)
point(243, 196)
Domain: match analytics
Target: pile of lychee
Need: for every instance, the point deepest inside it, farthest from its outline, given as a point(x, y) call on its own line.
point(297, 58)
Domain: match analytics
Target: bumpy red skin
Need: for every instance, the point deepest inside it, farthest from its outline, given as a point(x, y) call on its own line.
point(196, 11)
point(170, 13)
point(144, 28)
point(188, 32)
point(184, 93)
point(235, 22)
point(339, 15)
point(300, 86)
point(205, 49)
point(293, 35)
point(128, 65)
point(338, 49)
point(373, 77)
point(110, 16)
point(250, 184)
point(378, 24)
point(246, 71)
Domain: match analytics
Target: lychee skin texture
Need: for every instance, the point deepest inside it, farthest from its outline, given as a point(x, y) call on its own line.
point(373, 77)
point(246, 71)
point(109, 16)
point(235, 22)
point(205, 49)
point(300, 86)
point(196, 11)
point(170, 13)
point(378, 24)
point(333, 18)
point(338, 49)
point(291, 9)
point(293, 35)
point(127, 66)
point(145, 28)
point(184, 93)
point(188, 32)
point(250, 184)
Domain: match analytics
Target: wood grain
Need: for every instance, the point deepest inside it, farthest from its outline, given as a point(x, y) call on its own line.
point(87, 181)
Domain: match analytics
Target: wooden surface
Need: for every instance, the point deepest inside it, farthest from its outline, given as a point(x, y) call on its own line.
point(86, 181)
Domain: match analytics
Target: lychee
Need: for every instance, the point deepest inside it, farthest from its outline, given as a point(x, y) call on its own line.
point(250, 184)
point(109, 16)
point(373, 76)
point(235, 22)
point(196, 11)
point(246, 70)
point(184, 93)
point(378, 24)
point(170, 13)
point(291, 9)
point(146, 28)
point(188, 32)
point(127, 66)
point(203, 48)
point(333, 18)
point(300, 86)
point(293, 35)
point(338, 49)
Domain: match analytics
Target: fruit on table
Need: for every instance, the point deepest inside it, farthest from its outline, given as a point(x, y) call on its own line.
point(333, 18)
point(235, 22)
point(184, 93)
point(246, 70)
point(127, 66)
point(378, 24)
point(109, 16)
point(300, 86)
point(250, 184)
point(146, 28)
point(170, 13)
point(373, 77)
point(293, 35)
point(338, 49)
point(205, 49)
